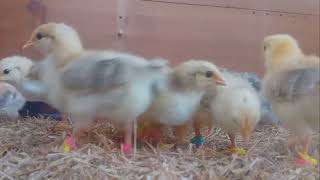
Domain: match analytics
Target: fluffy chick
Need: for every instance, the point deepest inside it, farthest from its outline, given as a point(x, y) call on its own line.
point(291, 84)
point(89, 84)
point(235, 108)
point(187, 83)
point(16, 70)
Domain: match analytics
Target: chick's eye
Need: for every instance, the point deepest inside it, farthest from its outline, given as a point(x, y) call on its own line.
point(209, 74)
point(6, 71)
point(39, 36)
point(265, 47)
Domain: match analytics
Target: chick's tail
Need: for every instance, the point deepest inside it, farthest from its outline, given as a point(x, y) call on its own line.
point(158, 71)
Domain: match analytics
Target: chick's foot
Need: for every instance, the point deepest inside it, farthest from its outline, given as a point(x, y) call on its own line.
point(126, 148)
point(69, 144)
point(197, 140)
point(303, 159)
point(237, 150)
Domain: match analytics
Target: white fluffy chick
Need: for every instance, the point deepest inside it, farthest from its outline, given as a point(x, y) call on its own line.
point(236, 108)
point(15, 70)
point(291, 84)
point(94, 84)
point(187, 83)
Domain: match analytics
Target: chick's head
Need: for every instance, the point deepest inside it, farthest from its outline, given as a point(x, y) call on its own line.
point(280, 51)
point(54, 38)
point(196, 75)
point(14, 69)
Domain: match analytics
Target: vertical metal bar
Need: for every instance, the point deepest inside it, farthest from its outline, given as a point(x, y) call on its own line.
point(38, 12)
point(122, 16)
point(122, 21)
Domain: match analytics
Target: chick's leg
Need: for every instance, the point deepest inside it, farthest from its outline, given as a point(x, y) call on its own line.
point(197, 129)
point(232, 138)
point(80, 122)
point(198, 139)
point(126, 147)
point(233, 146)
point(181, 132)
point(306, 144)
point(293, 141)
point(69, 143)
point(210, 127)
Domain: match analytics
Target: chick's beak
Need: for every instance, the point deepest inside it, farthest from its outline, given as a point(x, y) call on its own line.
point(246, 132)
point(2, 78)
point(218, 80)
point(28, 44)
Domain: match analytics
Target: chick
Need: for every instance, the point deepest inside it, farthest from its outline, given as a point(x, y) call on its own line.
point(291, 84)
point(16, 70)
point(235, 108)
point(94, 84)
point(186, 85)
point(11, 101)
point(24, 74)
point(267, 116)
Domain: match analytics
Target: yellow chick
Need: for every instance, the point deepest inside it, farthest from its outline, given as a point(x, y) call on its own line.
point(235, 108)
point(291, 84)
point(94, 84)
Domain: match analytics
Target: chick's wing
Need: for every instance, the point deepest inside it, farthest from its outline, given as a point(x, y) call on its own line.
point(291, 85)
point(96, 75)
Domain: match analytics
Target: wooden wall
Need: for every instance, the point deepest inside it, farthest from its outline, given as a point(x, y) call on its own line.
point(224, 31)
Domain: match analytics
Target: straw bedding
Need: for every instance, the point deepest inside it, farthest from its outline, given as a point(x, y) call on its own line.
point(29, 149)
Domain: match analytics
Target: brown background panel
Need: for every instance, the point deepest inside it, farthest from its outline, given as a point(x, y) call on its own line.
point(95, 20)
point(230, 37)
point(15, 25)
point(293, 6)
